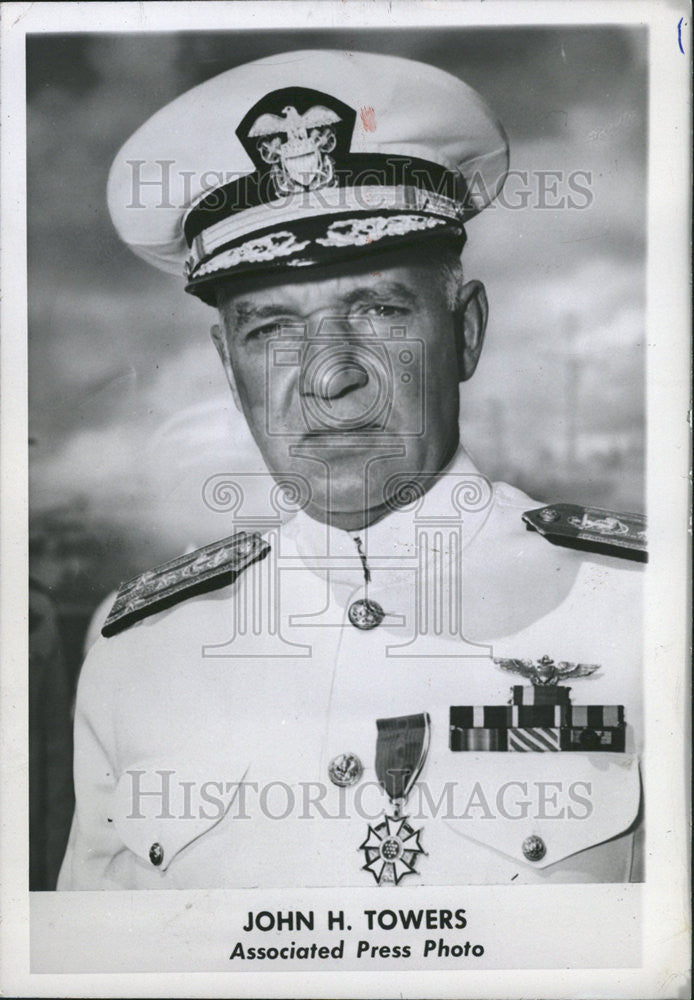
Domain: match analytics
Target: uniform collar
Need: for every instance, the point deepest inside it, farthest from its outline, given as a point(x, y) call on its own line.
point(460, 494)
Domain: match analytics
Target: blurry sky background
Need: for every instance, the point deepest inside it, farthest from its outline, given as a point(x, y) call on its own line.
point(119, 354)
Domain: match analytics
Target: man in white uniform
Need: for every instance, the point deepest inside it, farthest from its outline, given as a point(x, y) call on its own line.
point(327, 700)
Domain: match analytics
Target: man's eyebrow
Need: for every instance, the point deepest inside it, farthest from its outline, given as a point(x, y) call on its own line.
point(244, 312)
point(384, 289)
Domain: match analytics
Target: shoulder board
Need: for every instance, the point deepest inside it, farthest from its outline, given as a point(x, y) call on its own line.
point(591, 528)
point(213, 566)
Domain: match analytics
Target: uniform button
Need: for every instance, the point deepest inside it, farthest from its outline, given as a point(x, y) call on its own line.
point(345, 769)
point(365, 614)
point(549, 515)
point(156, 854)
point(534, 848)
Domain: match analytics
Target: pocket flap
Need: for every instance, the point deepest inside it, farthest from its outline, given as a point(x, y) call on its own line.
point(567, 802)
point(158, 809)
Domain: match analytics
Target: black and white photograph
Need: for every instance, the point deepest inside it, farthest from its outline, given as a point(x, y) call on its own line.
point(344, 554)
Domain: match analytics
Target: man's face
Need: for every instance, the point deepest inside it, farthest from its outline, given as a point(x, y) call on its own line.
point(348, 376)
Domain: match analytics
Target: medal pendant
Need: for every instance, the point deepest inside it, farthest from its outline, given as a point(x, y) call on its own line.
point(391, 849)
point(392, 846)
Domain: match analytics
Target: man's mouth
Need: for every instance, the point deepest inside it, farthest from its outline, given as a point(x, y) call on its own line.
point(342, 433)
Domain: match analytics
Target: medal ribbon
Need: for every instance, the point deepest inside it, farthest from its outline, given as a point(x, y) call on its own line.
point(401, 749)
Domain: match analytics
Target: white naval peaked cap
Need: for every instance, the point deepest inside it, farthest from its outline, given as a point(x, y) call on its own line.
point(304, 158)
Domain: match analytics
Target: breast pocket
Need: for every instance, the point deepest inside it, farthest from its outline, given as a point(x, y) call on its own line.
point(540, 809)
point(159, 808)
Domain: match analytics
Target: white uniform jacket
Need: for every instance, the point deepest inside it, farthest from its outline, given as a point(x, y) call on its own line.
point(204, 733)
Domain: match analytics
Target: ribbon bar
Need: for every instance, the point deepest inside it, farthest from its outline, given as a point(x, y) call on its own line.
point(608, 740)
point(597, 716)
point(539, 715)
point(534, 740)
point(539, 739)
point(478, 739)
point(484, 716)
point(555, 694)
point(503, 716)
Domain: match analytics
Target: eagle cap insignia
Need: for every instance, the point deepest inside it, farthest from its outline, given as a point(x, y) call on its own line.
point(544, 672)
point(301, 162)
point(295, 136)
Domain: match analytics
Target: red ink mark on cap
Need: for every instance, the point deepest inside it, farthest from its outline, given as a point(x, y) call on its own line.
point(368, 119)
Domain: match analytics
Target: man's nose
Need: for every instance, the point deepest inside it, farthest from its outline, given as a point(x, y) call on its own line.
point(336, 377)
point(332, 366)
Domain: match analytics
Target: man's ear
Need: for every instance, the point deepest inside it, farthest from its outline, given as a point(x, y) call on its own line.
point(220, 341)
point(470, 318)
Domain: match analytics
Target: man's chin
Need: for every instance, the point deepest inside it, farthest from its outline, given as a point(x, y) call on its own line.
point(346, 506)
point(347, 518)
point(349, 487)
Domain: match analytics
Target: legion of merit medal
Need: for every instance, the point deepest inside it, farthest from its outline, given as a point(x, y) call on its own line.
point(392, 845)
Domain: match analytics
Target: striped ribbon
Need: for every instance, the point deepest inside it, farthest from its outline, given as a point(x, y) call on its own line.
point(483, 716)
point(612, 740)
point(533, 740)
point(538, 715)
point(502, 716)
point(551, 694)
point(477, 739)
point(597, 716)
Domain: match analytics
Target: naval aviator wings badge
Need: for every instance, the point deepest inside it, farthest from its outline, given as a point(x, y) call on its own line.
point(545, 672)
point(392, 845)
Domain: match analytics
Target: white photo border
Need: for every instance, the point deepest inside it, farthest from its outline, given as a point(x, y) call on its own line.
point(664, 896)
